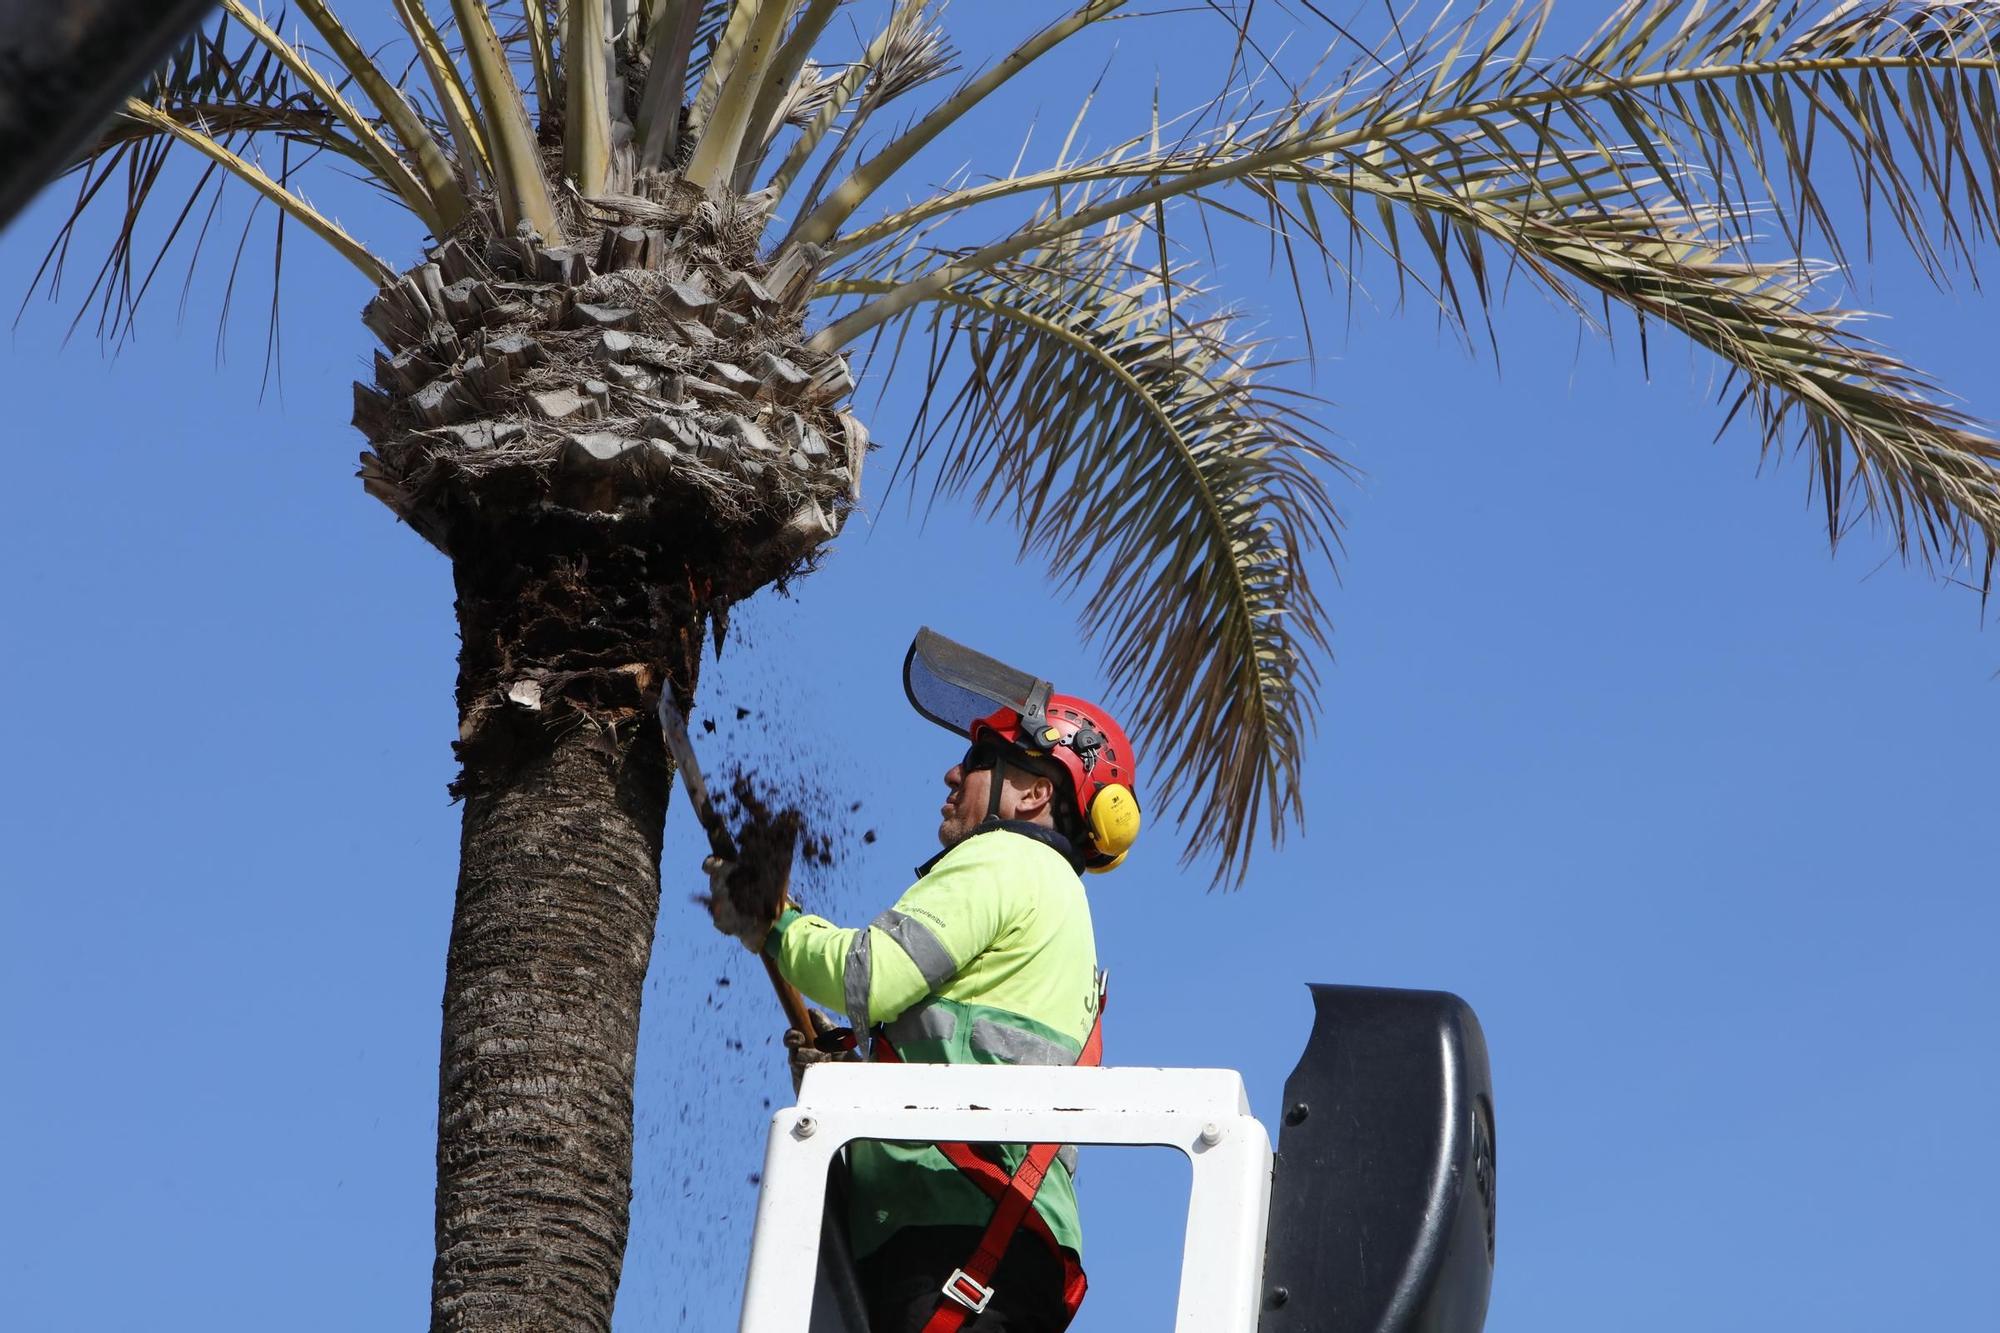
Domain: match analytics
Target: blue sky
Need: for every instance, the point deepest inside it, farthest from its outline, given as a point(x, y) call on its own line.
point(1696, 816)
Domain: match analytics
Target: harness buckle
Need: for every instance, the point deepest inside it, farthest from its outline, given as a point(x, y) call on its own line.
point(967, 1290)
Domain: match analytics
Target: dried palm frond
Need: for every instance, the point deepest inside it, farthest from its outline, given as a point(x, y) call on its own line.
point(916, 54)
point(222, 85)
point(807, 96)
point(825, 220)
point(852, 80)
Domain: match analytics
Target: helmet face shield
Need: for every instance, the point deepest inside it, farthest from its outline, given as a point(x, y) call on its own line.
point(1021, 720)
point(954, 686)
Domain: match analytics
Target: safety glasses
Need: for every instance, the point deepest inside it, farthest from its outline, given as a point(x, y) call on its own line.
point(983, 755)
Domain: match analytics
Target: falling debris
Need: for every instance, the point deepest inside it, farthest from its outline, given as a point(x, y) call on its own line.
point(766, 840)
point(713, 1065)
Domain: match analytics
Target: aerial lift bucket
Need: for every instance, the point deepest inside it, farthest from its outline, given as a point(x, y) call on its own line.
point(1375, 1214)
point(1382, 1204)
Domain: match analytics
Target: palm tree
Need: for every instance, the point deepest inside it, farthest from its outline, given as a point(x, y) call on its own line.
point(615, 390)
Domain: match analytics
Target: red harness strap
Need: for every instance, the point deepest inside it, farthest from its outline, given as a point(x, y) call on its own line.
point(968, 1289)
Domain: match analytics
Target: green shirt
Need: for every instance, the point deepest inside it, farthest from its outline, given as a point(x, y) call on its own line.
point(989, 958)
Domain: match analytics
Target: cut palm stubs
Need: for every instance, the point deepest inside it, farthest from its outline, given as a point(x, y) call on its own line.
point(650, 371)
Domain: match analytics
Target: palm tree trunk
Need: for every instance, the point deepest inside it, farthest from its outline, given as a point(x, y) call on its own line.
point(558, 895)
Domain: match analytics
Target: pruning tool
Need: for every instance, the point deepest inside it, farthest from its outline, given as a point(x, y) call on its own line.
point(811, 1027)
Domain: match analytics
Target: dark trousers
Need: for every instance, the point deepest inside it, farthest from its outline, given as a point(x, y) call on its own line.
point(904, 1281)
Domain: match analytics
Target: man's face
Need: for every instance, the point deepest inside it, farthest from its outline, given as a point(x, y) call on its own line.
point(964, 805)
point(968, 790)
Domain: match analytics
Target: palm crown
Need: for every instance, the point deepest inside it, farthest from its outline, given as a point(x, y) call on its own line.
point(719, 150)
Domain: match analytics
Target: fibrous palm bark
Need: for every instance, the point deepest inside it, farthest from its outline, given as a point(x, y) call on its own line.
point(558, 892)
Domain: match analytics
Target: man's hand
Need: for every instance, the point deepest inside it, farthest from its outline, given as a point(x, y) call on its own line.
point(748, 928)
point(802, 1055)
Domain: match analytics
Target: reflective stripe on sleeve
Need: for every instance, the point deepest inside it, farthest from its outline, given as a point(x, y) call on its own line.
point(921, 943)
point(860, 975)
point(1018, 1046)
point(927, 1021)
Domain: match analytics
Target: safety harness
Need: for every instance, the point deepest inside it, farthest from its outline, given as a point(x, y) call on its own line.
point(970, 1287)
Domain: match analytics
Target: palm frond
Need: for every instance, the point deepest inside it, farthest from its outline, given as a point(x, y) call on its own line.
point(738, 82)
point(1620, 173)
point(906, 21)
point(1731, 113)
point(447, 199)
point(586, 67)
point(388, 164)
point(306, 126)
point(376, 270)
point(825, 221)
point(454, 96)
point(222, 86)
point(516, 163)
point(804, 99)
point(914, 51)
point(1143, 451)
point(670, 43)
point(787, 89)
point(712, 18)
point(1882, 441)
point(718, 55)
point(538, 25)
point(917, 54)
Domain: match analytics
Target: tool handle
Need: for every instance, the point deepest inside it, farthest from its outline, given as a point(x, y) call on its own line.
point(719, 841)
point(673, 729)
point(794, 1004)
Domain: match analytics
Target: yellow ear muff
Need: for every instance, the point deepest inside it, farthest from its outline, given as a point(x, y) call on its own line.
point(1112, 864)
point(1114, 821)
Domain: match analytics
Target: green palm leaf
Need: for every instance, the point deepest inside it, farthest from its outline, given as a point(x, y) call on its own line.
point(1143, 452)
point(1635, 170)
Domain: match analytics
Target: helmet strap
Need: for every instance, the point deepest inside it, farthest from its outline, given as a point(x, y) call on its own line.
point(994, 784)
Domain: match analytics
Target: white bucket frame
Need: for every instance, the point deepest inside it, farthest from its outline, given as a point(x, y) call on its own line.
point(1203, 1112)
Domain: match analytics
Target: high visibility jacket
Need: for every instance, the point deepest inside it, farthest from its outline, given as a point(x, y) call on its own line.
point(988, 958)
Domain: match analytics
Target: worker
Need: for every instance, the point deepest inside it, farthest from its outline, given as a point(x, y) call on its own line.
point(988, 958)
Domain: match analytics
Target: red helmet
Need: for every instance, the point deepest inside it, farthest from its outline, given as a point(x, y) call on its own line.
point(953, 686)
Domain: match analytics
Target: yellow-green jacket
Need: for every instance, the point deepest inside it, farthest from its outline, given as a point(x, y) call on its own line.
point(988, 958)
